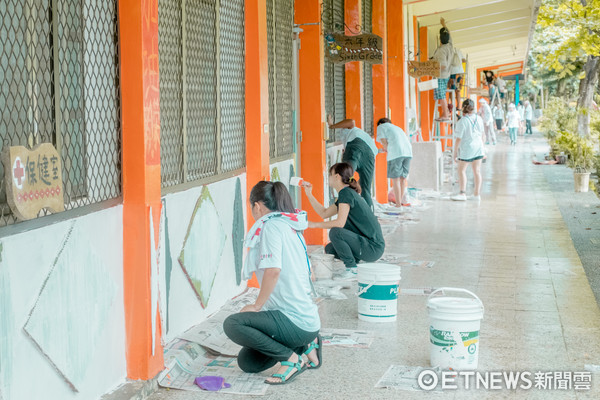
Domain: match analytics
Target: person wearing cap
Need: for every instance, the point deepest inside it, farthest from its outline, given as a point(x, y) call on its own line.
point(359, 151)
point(468, 149)
point(513, 121)
point(485, 112)
point(444, 55)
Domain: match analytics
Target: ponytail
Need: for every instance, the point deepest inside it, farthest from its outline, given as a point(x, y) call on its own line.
point(346, 172)
point(274, 195)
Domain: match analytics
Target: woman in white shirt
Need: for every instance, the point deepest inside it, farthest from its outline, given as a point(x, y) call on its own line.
point(283, 323)
point(468, 149)
point(513, 121)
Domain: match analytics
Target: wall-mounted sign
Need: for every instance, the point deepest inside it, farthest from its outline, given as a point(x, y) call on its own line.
point(417, 69)
point(33, 180)
point(479, 91)
point(366, 47)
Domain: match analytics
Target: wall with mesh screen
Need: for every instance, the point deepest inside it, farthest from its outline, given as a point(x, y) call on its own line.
point(280, 21)
point(367, 27)
point(334, 74)
point(202, 86)
point(59, 84)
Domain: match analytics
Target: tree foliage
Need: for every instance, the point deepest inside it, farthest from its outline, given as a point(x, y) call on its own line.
point(570, 32)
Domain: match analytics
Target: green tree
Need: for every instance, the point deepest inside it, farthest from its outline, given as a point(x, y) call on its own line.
point(572, 30)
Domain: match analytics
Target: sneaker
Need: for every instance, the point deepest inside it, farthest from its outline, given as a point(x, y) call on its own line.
point(475, 198)
point(459, 197)
point(405, 204)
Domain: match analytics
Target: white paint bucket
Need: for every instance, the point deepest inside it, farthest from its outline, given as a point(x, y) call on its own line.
point(454, 329)
point(378, 292)
point(322, 265)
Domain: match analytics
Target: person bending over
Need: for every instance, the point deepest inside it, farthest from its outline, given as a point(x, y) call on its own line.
point(283, 323)
point(359, 151)
point(355, 234)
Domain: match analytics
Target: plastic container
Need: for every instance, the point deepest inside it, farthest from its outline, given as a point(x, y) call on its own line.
point(378, 292)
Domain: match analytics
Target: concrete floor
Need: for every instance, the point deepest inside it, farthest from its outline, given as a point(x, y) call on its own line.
point(514, 251)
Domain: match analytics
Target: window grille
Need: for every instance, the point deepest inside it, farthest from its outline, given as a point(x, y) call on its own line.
point(334, 74)
point(59, 84)
point(280, 22)
point(202, 89)
point(367, 27)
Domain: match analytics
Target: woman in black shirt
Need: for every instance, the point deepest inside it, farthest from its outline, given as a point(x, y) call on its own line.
point(355, 234)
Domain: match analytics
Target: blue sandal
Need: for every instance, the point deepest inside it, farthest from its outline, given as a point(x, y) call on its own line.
point(319, 347)
point(285, 377)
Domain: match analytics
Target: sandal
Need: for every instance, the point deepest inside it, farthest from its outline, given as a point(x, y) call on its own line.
point(287, 376)
point(319, 347)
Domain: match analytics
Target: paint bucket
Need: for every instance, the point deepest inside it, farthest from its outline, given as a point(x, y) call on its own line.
point(322, 265)
point(378, 292)
point(454, 329)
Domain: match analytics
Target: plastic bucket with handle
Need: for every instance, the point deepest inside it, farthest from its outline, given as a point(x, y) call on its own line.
point(454, 329)
point(378, 292)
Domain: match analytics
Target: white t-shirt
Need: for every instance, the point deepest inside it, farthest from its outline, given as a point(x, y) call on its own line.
point(457, 65)
point(282, 247)
point(349, 135)
point(498, 113)
point(444, 55)
point(521, 111)
point(486, 113)
point(398, 143)
point(470, 130)
point(513, 119)
point(528, 112)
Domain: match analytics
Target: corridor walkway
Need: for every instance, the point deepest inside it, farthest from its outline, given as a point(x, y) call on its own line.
point(514, 251)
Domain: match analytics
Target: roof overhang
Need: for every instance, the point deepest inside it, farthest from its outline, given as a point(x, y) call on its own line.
point(488, 32)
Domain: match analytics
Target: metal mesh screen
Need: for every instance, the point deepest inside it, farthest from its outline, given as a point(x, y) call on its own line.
point(334, 74)
point(233, 125)
point(202, 91)
point(59, 84)
point(367, 27)
point(280, 20)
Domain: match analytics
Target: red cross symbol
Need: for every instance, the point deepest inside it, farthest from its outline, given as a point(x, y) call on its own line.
point(18, 172)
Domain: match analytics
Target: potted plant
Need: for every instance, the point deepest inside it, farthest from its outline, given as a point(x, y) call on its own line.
point(581, 160)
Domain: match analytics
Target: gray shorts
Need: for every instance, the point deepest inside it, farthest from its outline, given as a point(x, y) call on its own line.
point(398, 167)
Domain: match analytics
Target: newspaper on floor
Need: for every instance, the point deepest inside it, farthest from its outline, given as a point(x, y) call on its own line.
point(329, 292)
point(347, 338)
point(400, 259)
point(403, 377)
point(210, 332)
point(186, 361)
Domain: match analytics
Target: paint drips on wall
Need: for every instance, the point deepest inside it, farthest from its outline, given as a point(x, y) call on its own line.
point(203, 247)
point(72, 308)
point(237, 234)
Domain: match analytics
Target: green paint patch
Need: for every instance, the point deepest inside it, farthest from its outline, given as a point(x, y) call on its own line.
point(275, 177)
point(237, 234)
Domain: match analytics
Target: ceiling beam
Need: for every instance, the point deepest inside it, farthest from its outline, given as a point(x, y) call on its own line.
point(455, 16)
point(431, 7)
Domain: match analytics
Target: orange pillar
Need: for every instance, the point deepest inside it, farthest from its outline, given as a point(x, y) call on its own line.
point(354, 70)
point(138, 33)
point(257, 99)
point(426, 106)
point(416, 57)
point(380, 93)
point(312, 107)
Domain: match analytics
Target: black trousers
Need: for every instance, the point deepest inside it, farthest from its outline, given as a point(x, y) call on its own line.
point(351, 248)
point(266, 337)
point(528, 124)
point(359, 155)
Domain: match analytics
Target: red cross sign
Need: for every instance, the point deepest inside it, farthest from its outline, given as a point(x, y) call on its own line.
point(18, 173)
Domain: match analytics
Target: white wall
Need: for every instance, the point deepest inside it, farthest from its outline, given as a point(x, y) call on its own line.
point(184, 309)
point(61, 286)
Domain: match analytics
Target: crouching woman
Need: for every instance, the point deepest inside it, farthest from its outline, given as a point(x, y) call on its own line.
point(283, 324)
point(355, 234)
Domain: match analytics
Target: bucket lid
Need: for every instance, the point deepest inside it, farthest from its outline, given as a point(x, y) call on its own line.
point(379, 271)
point(454, 305)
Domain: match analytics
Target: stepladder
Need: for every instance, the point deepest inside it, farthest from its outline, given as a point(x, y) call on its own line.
point(443, 131)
